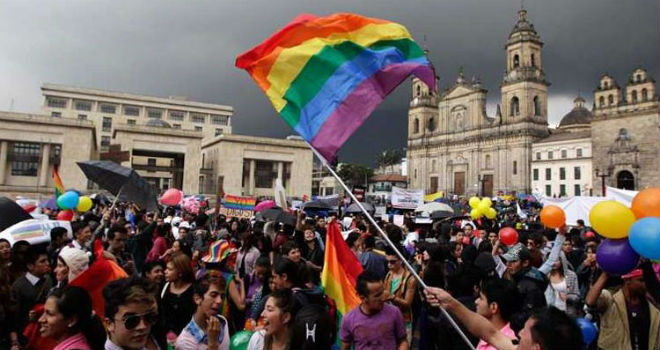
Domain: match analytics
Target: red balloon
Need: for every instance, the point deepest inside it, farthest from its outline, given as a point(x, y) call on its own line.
point(589, 234)
point(65, 215)
point(508, 236)
point(29, 207)
point(171, 197)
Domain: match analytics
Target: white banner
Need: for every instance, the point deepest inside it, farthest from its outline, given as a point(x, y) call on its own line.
point(619, 195)
point(403, 198)
point(579, 207)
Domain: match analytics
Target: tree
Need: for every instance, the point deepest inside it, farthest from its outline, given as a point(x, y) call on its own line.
point(388, 158)
point(354, 174)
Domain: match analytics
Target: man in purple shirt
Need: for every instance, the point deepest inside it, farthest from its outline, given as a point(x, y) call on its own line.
point(373, 325)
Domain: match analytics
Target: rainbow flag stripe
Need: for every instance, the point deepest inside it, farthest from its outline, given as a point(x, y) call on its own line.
point(340, 271)
point(325, 75)
point(237, 202)
point(57, 181)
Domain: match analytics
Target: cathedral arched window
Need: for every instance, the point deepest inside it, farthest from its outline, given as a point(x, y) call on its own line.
point(610, 100)
point(416, 126)
point(606, 85)
point(419, 91)
point(431, 124)
point(639, 77)
point(645, 95)
point(537, 106)
point(515, 107)
point(516, 61)
point(601, 101)
point(533, 61)
point(634, 96)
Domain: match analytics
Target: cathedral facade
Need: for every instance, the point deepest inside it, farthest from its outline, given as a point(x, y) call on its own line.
point(455, 147)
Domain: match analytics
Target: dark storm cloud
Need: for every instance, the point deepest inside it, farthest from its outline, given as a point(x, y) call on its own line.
point(188, 49)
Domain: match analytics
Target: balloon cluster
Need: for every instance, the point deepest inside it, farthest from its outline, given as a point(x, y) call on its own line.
point(629, 232)
point(71, 200)
point(482, 207)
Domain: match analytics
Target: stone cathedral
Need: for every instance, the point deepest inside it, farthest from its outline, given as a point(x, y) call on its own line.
point(455, 147)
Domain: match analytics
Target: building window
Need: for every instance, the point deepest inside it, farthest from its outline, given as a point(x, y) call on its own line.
point(151, 161)
point(562, 190)
point(176, 115)
point(176, 126)
point(537, 106)
point(416, 126)
point(265, 174)
point(515, 107)
point(548, 190)
point(56, 102)
point(577, 173)
point(132, 111)
point(56, 114)
point(111, 109)
point(538, 155)
point(638, 77)
point(634, 96)
point(130, 121)
point(533, 61)
point(536, 174)
point(562, 173)
point(606, 85)
point(610, 100)
point(198, 128)
point(415, 177)
point(83, 106)
point(107, 124)
point(218, 131)
point(601, 101)
point(516, 61)
point(645, 95)
point(515, 167)
point(576, 190)
point(578, 152)
point(564, 153)
point(26, 159)
point(219, 119)
point(433, 164)
point(548, 174)
point(489, 163)
point(155, 113)
point(551, 155)
point(197, 118)
point(82, 116)
point(105, 142)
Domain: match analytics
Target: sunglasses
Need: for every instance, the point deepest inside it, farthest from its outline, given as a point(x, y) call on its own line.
point(392, 262)
point(132, 321)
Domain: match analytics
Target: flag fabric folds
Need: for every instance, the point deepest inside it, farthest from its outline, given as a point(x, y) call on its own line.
point(57, 181)
point(340, 271)
point(325, 75)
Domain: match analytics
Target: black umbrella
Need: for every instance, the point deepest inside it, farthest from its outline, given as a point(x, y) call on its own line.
point(321, 205)
point(278, 215)
point(123, 182)
point(441, 214)
point(354, 208)
point(11, 213)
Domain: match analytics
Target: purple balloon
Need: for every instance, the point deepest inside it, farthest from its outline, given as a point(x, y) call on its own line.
point(616, 256)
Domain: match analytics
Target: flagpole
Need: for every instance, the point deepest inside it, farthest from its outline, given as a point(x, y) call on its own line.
point(387, 239)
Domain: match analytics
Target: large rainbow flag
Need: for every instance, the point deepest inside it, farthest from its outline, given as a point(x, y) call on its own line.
point(340, 271)
point(57, 181)
point(325, 75)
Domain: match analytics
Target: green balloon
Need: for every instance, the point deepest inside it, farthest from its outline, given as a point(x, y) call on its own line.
point(240, 340)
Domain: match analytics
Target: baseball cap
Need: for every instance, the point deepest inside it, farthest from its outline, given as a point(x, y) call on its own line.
point(517, 252)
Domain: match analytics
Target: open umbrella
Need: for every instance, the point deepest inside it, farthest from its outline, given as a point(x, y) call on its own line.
point(354, 208)
point(318, 204)
point(11, 213)
point(276, 214)
point(267, 204)
point(426, 210)
point(123, 182)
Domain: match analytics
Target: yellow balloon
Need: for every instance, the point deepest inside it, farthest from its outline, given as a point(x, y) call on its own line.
point(491, 213)
point(84, 204)
point(484, 206)
point(476, 213)
point(474, 202)
point(487, 202)
point(611, 219)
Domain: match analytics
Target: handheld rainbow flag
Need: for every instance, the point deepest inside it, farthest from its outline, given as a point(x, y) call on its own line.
point(325, 75)
point(57, 181)
point(340, 271)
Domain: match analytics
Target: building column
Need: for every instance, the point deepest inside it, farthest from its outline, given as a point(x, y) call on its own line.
point(3, 161)
point(251, 182)
point(45, 155)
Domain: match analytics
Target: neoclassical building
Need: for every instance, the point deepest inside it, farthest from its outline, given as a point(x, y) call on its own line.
point(454, 146)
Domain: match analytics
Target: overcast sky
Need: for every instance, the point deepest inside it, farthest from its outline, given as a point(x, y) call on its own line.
point(188, 48)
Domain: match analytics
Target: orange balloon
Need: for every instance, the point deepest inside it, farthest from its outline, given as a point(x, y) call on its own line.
point(553, 216)
point(647, 203)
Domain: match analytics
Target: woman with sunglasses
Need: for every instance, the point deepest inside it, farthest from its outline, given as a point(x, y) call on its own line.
point(69, 320)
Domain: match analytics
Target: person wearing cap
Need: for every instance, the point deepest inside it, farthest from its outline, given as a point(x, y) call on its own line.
point(627, 319)
point(71, 262)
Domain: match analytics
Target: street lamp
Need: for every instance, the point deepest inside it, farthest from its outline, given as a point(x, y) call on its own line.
point(602, 176)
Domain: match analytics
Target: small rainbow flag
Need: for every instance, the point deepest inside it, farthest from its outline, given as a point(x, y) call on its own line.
point(239, 203)
point(325, 75)
point(340, 271)
point(59, 186)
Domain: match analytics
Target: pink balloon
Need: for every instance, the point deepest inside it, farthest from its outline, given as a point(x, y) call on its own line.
point(65, 215)
point(171, 197)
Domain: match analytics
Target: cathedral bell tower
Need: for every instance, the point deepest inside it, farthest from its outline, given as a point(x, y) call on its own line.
point(524, 88)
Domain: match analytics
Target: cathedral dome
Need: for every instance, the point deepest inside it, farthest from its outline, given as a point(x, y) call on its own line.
point(523, 30)
point(158, 123)
point(579, 115)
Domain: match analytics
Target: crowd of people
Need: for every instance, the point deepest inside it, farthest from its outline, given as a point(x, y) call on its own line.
point(198, 281)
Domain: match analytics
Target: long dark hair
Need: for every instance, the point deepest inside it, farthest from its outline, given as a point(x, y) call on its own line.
point(284, 301)
point(75, 301)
